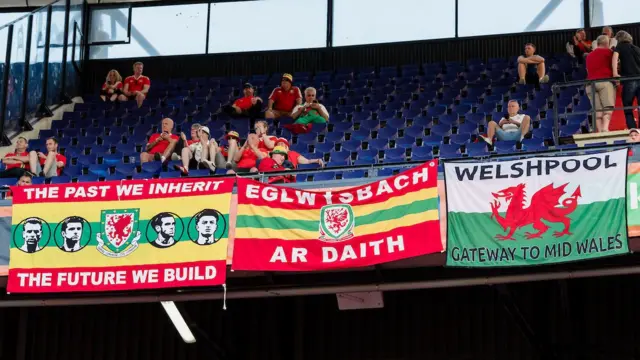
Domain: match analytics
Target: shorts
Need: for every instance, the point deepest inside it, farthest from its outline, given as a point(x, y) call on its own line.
point(605, 96)
point(133, 97)
point(280, 113)
point(532, 78)
point(508, 135)
point(53, 171)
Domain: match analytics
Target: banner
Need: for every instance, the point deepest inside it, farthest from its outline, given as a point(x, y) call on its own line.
point(633, 199)
point(128, 235)
point(287, 229)
point(536, 211)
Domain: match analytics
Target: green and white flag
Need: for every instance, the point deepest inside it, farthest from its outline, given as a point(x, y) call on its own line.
point(535, 211)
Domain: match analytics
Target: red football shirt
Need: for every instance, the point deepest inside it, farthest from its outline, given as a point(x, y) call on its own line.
point(248, 159)
point(293, 157)
point(161, 146)
point(598, 64)
point(118, 86)
point(269, 165)
point(262, 147)
point(244, 103)
point(285, 100)
point(137, 84)
point(18, 165)
point(59, 157)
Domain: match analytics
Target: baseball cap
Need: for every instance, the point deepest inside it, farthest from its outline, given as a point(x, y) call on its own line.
point(287, 77)
point(247, 86)
point(205, 129)
point(634, 130)
point(284, 141)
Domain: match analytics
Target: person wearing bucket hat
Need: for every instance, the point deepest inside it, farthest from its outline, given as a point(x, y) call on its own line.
point(307, 114)
point(196, 155)
point(249, 105)
point(296, 158)
point(634, 135)
point(276, 162)
point(283, 98)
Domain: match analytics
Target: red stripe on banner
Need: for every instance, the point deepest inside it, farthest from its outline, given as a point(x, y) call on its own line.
point(255, 193)
point(311, 255)
point(138, 277)
point(121, 190)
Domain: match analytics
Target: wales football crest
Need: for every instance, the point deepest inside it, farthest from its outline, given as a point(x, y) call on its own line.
point(119, 235)
point(336, 223)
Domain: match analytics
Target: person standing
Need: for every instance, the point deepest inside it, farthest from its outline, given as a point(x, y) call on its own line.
point(628, 55)
point(603, 99)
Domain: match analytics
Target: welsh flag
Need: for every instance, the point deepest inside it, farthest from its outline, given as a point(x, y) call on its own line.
point(536, 211)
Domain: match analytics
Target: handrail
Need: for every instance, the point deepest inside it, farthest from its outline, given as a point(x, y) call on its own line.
point(587, 82)
point(27, 15)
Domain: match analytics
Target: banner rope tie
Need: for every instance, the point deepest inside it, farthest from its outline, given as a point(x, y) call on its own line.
point(224, 296)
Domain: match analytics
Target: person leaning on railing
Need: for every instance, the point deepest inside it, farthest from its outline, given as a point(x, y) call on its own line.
point(603, 99)
point(628, 56)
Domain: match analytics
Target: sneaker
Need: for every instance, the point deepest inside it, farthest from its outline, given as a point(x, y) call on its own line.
point(522, 81)
point(544, 79)
point(487, 140)
point(181, 169)
point(210, 164)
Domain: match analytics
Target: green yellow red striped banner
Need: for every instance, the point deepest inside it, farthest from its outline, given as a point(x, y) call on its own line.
point(120, 235)
point(287, 229)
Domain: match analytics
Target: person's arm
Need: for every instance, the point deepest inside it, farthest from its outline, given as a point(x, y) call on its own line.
point(153, 143)
point(62, 162)
point(304, 161)
point(238, 155)
point(268, 142)
point(10, 160)
point(524, 60)
point(503, 122)
point(145, 88)
point(259, 153)
point(614, 64)
point(323, 112)
point(299, 98)
point(125, 90)
point(297, 111)
point(270, 105)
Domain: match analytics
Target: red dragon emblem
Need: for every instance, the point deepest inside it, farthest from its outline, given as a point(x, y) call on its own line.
point(119, 228)
point(336, 219)
point(543, 207)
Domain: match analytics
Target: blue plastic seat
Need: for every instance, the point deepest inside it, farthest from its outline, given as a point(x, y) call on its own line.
point(405, 142)
point(324, 147)
point(87, 160)
point(87, 178)
point(100, 170)
point(60, 179)
point(354, 174)
point(387, 133)
point(115, 177)
point(449, 150)
point(152, 167)
point(378, 144)
point(477, 149)
point(351, 145)
point(170, 174)
point(393, 155)
point(360, 135)
point(324, 176)
point(340, 155)
point(414, 131)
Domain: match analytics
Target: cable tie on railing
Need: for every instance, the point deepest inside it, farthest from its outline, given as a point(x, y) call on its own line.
point(224, 296)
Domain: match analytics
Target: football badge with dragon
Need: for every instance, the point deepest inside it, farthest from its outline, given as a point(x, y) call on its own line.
point(545, 206)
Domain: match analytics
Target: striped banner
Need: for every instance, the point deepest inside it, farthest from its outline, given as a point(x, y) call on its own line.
point(286, 229)
point(128, 235)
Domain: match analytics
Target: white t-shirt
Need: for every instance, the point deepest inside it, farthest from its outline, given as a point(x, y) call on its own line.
point(320, 111)
point(196, 150)
point(513, 127)
point(612, 43)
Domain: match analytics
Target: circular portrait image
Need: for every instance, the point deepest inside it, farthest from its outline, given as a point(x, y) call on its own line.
point(207, 227)
point(164, 230)
point(31, 235)
point(72, 234)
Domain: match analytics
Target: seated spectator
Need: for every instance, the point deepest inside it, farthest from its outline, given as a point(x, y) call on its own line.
point(15, 162)
point(607, 30)
point(50, 164)
point(25, 179)
point(634, 136)
point(112, 87)
point(283, 98)
point(266, 142)
point(579, 46)
point(311, 112)
point(175, 147)
point(158, 148)
point(531, 68)
point(512, 127)
point(249, 105)
point(136, 86)
point(277, 161)
point(245, 160)
point(598, 64)
point(629, 57)
point(196, 154)
point(296, 158)
point(225, 153)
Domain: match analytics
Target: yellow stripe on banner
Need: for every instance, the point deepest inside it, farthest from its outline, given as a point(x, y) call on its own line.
point(146, 254)
point(358, 210)
point(92, 211)
point(297, 234)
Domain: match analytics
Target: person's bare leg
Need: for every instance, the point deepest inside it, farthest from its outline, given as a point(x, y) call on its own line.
point(186, 156)
point(166, 155)
point(524, 127)
point(233, 148)
point(542, 73)
point(122, 98)
point(33, 162)
point(104, 98)
point(491, 129)
point(254, 170)
point(145, 157)
point(522, 71)
point(231, 172)
point(606, 119)
point(114, 97)
point(49, 162)
point(140, 99)
point(269, 114)
point(599, 124)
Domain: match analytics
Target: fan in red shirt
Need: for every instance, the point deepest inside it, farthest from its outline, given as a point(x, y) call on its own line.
point(283, 98)
point(277, 162)
point(599, 66)
point(15, 162)
point(295, 157)
point(112, 87)
point(50, 164)
point(248, 105)
point(158, 148)
point(136, 86)
point(246, 158)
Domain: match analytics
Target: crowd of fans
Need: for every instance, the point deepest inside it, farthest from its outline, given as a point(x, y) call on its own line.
point(608, 57)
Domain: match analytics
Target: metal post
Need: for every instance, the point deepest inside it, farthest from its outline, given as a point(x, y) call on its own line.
point(64, 97)
point(556, 123)
point(329, 23)
point(24, 123)
point(206, 49)
point(43, 110)
point(4, 140)
point(593, 107)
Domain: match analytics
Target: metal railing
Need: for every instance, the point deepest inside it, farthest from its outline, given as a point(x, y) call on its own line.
point(587, 83)
point(30, 89)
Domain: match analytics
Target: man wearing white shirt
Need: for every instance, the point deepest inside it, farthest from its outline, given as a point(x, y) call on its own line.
point(607, 30)
point(311, 112)
point(199, 152)
point(513, 127)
